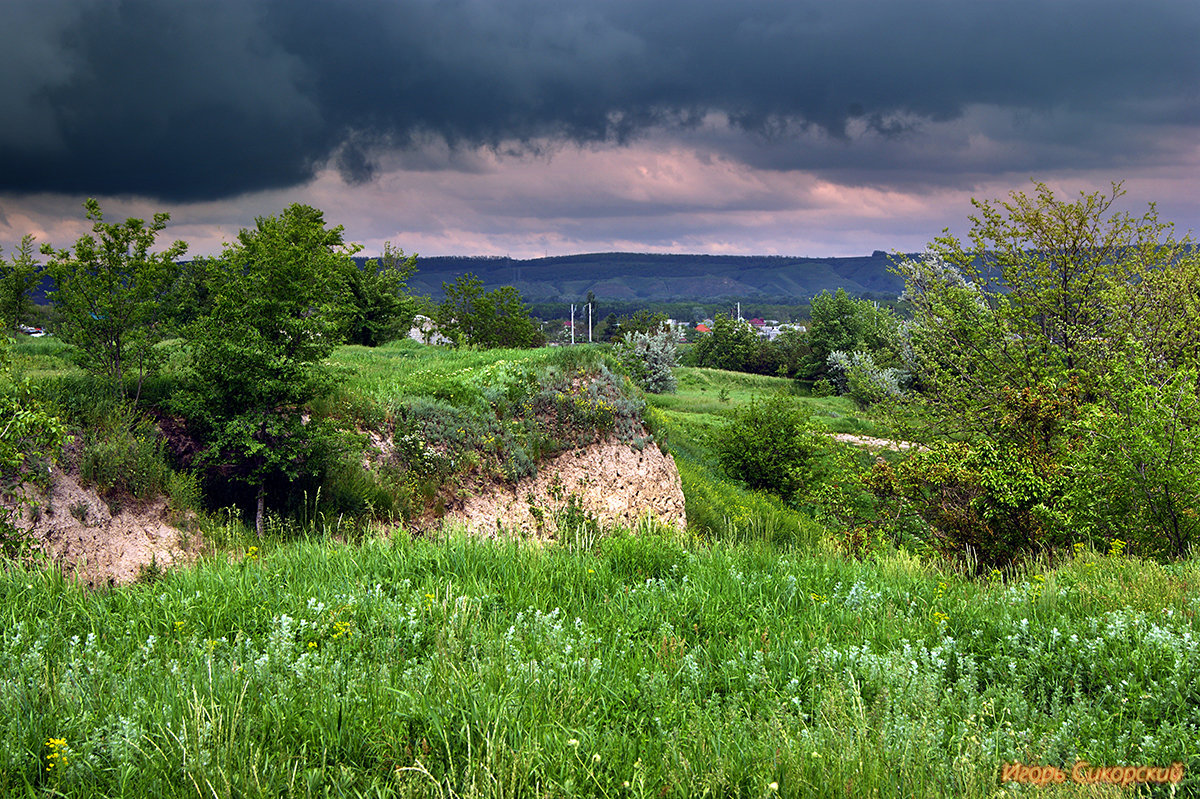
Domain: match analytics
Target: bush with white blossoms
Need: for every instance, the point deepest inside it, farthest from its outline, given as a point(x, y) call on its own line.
point(650, 359)
point(857, 375)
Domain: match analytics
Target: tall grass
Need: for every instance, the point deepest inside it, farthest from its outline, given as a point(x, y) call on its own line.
point(643, 666)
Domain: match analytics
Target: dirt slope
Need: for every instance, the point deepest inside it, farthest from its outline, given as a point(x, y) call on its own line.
point(613, 482)
point(74, 527)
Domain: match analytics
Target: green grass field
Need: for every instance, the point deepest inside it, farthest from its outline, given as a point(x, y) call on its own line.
point(461, 667)
point(745, 656)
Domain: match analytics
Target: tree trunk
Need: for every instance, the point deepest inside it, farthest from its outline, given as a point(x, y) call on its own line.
point(258, 515)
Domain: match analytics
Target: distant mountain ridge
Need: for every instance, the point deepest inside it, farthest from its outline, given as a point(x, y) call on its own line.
point(648, 276)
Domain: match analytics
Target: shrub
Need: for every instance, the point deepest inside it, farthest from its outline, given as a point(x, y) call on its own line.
point(650, 358)
point(770, 444)
point(183, 492)
point(993, 501)
point(857, 375)
point(1134, 473)
point(29, 438)
point(127, 459)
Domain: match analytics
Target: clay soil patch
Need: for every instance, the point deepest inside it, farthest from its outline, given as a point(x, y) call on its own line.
point(75, 528)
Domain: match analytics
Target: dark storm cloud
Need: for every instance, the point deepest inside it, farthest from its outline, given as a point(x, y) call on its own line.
point(194, 100)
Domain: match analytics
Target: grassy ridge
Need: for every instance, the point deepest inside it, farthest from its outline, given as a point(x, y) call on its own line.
point(476, 668)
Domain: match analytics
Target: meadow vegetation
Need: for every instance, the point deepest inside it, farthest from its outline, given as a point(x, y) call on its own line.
point(831, 622)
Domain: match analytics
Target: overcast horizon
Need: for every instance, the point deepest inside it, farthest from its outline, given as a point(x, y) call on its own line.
point(554, 127)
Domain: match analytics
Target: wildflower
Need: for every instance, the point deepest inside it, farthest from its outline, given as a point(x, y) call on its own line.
point(179, 625)
point(596, 758)
point(252, 553)
point(774, 786)
point(57, 756)
point(573, 742)
point(591, 571)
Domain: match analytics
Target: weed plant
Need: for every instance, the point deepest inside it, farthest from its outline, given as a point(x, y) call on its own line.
point(644, 666)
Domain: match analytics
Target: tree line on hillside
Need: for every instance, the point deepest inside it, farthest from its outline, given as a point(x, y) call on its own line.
point(668, 278)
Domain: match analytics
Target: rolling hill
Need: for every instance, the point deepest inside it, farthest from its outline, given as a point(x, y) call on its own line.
point(644, 276)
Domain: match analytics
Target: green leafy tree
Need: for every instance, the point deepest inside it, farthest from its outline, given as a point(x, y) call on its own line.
point(109, 290)
point(841, 323)
point(278, 310)
point(1134, 471)
point(18, 277)
point(609, 329)
point(643, 321)
point(771, 444)
point(1025, 342)
point(1044, 289)
point(380, 306)
point(496, 318)
point(995, 499)
point(732, 345)
point(786, 355)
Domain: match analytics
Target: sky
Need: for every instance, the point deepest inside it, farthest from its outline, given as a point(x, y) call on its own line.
point(548, 127)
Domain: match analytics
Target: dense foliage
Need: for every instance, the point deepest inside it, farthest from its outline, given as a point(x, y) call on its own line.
point(497, 318)
point(1052, 347)
point(256, 359)
point(731, 344)
point(770, 444)
point(29, 438)
point(379, 306)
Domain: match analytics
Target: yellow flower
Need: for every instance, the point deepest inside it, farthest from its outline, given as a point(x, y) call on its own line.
point(56, 757)
point(251, 553)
